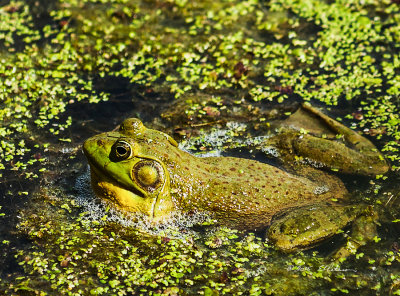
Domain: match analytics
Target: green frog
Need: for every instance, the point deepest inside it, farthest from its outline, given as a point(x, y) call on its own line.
point(142, 170)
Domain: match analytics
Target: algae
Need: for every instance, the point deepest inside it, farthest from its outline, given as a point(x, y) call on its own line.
point(61, 56)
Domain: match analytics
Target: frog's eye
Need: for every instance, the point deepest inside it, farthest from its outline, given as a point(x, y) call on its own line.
point(121, 150)
point(148, 174)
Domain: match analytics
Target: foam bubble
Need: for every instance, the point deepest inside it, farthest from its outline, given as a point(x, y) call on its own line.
point(272, 151)
point(321, 189)
point(255, 141)
point(215, 139)
point(254, 272)
point(313, 163)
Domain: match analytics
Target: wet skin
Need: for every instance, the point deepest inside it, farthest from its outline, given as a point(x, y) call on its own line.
point(143, 171)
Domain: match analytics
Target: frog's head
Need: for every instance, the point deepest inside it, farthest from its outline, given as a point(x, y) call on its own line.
point(127, 169)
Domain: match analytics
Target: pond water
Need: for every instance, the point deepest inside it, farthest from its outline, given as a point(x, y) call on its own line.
point(217, 76)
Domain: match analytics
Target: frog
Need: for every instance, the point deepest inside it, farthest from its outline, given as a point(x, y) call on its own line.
point(143, 171)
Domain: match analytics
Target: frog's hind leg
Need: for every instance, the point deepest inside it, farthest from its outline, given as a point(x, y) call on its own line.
point(356, 155)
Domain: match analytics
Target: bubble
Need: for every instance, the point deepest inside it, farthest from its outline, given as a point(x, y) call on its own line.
point(236, 126)
point(272, 151)
point(255, 141)
point(254, 272)
point(214, 139)
point(218, 140)
point(321, 189)
point(313, 163)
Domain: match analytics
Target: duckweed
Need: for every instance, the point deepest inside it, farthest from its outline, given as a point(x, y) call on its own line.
point(336, 52)
point(332, 53)
point(72, 255)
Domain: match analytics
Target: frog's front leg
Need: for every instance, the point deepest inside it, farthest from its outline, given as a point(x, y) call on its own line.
point(346, 151)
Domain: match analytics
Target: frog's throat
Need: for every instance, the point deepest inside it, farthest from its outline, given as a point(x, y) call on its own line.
point(130, 200)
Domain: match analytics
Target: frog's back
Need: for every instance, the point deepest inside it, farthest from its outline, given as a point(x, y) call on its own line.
point(246, 193)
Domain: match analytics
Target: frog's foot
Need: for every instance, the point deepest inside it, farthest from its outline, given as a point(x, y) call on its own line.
point(363, 231)
point(357, 155)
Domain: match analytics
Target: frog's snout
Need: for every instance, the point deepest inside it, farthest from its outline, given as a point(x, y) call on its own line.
point(93, 146)
point(87, 147)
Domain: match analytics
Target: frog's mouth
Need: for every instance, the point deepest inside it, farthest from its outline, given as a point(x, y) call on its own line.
point(99, 176)
point(115, 193)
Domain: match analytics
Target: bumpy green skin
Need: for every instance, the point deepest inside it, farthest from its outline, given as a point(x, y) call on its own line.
point(241, 193)
point(302, 228)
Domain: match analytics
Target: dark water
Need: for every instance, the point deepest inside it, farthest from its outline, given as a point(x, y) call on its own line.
point(59, 182)
point(37, 244)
